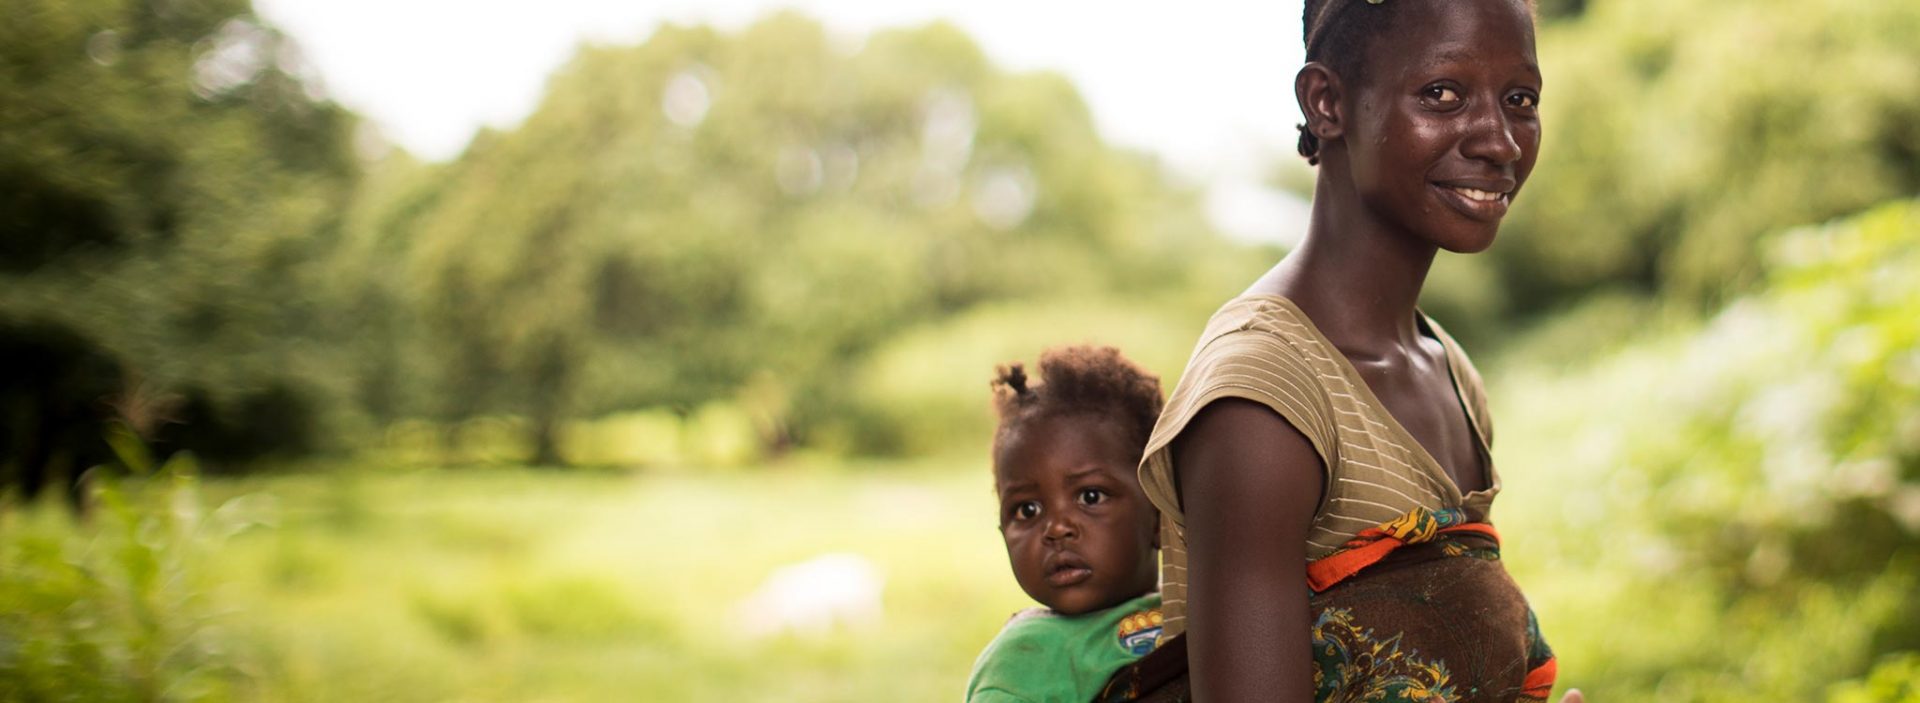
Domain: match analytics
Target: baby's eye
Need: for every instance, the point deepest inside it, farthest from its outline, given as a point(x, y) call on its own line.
point(1092, 496)
point(1523, 100)
point(1026, 510)
point(1440, 94)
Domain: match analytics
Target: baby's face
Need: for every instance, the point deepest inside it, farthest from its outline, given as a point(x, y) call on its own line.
point(1079, 531)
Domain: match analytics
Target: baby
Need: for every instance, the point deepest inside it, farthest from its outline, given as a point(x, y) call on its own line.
point(1080, 533)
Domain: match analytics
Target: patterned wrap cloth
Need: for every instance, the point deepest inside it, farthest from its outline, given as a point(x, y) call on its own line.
point(1418, 609)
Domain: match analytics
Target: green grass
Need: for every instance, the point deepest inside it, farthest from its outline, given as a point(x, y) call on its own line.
point(515, 584)
point(372, 583)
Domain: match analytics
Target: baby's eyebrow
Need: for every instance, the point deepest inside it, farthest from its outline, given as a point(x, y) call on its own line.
point(1089, 471)
point(1451, 55)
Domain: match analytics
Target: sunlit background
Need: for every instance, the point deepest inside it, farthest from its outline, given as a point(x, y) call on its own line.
point(584, 350)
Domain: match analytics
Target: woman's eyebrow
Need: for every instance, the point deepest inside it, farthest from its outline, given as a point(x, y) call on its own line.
point(1462, 54)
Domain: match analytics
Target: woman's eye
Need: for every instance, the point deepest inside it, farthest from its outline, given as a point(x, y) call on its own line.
point(1091, 496)
point(1523, 100)
point(1026, 511)
point(1441, 93)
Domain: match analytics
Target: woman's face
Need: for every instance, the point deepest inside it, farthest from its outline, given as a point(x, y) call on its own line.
point(1445, 125)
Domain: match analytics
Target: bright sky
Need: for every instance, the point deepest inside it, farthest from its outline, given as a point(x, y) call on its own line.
point(1206, 84)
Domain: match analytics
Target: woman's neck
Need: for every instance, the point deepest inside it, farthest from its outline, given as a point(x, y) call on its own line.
point(1356, 277)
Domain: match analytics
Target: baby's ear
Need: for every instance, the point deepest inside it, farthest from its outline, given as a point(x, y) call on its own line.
point(1318, 90)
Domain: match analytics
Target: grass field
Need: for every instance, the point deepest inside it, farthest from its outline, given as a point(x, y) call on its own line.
point(368, 582)
point(516, 584)
point(521, 584)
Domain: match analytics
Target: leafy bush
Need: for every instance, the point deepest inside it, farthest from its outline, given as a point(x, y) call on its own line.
point(1759, 480)
point(115, 609)
point(1894, 680)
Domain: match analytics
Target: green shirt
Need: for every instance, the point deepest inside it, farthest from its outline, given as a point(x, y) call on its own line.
point(1041, 657)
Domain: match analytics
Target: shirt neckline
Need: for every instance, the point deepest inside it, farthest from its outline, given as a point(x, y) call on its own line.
point(1428, 462)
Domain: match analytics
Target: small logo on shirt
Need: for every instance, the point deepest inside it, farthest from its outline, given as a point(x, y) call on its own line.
point(1139, 630)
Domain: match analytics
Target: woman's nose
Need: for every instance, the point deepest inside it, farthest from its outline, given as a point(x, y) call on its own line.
point(1492, 138)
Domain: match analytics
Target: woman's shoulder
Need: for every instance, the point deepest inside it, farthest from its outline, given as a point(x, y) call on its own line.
point(1258, 348)
point(1260, 340)
point(1272, 316)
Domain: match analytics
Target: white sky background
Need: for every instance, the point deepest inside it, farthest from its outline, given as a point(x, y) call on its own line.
point(1206, 84)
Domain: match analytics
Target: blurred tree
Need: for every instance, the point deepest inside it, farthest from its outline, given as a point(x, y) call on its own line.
point(708, 217)
point(1673, 142)
point(167, 175)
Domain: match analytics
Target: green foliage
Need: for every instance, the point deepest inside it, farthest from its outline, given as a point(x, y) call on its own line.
point(1679, 133)
point(1896, 679)
point(926, 390)
point(1759, 478)
point(170, 180)
point(709, 217)
point(519, 584)
point(118, 609)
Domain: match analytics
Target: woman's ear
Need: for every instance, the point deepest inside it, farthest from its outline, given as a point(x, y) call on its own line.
point(1318, 90)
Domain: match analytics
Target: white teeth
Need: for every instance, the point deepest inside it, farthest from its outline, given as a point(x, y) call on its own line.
point(1480, 195)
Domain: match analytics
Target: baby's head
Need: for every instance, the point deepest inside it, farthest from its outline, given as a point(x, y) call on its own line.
point(1079, 531)
point(1425, 110)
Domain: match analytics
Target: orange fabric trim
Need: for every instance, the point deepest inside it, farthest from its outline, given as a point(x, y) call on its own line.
point(1539, 682)
point(1367, 549)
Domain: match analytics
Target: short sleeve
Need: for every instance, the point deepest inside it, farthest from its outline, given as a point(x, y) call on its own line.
point(1251, 364)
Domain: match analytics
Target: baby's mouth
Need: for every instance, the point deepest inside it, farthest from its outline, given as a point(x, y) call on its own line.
point(1067, 570)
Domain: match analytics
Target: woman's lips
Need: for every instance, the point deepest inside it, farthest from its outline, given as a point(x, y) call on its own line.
point(1477, 203)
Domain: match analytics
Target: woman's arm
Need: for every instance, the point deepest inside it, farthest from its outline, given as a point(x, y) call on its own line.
point(1249, 484)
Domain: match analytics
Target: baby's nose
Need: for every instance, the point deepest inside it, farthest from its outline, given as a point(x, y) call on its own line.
point(1062, 527)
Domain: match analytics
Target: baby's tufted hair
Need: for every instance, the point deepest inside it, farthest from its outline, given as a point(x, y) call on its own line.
point(1078, 379)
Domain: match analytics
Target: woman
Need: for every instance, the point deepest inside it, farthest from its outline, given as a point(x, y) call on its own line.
point(1323, 469)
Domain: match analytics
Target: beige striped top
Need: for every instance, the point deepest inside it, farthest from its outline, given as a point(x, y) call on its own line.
point(1263, 348)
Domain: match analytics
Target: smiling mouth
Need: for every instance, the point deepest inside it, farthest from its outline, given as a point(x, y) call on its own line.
point(1483, 196)
point(1475, 203)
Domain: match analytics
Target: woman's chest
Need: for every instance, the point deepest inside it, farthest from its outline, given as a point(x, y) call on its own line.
point(1422, 400)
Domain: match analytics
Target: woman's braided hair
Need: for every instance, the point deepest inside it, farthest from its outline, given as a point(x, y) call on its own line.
point(1078, 379)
